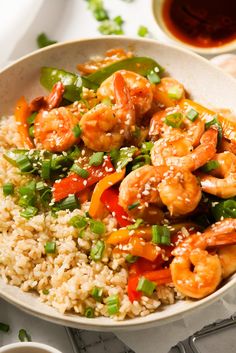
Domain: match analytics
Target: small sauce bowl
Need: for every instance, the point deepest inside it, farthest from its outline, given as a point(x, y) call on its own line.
point(28, 347)
point(157, 10)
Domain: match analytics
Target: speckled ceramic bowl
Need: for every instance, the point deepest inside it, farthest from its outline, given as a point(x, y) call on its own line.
point(205, 83)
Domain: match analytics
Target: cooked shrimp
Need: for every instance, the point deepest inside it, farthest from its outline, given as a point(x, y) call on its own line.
point(140, 189)
point(53, 128)
point(168, 92)
point(179, 191)
point(227, 145)
point(222, 182)
point(105, 127)
point(139, 89)
point(192, 130)
point(207, 272)
point(149, 187)
point(170, 151)
point(226, 253)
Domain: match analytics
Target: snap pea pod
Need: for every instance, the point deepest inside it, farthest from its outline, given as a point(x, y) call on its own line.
point(141, 65)
point(74, 83)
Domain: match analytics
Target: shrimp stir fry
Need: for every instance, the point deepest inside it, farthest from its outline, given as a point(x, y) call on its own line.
point(137, 152)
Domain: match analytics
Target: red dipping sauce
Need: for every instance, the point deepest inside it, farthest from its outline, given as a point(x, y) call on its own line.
point(201, 23)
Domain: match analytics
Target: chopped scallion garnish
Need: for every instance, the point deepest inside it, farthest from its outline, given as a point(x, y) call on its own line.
point(97, 250)
point(133, 205)
point(50, 247)
point(4, 327)
point(97, 227)
point(96, 159)
point(77, 131)
point(69, 203)
point(24, 336)
point(192, 114)
point(23, 163)
point(97, 293)
point(146, 286)
point(8, 189)
point(153, 77)
point(136, 225)
point(31, 131)
point(131, 259)
point(89, 312)
point(160, 235)
point(113, 304)
point(46, 169)
point(142, 31)
point(29, 212)
point(44, 41)
point(175, 92)
point(31, 118)
point(215, 122)
point(83, 173)
point(209, 166)
point(174, 120)
point(78, 222)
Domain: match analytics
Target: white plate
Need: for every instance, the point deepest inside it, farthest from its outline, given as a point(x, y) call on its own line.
point(206, 84)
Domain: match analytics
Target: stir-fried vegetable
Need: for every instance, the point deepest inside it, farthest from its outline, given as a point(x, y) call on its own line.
point(22, 112)
point(44, 41)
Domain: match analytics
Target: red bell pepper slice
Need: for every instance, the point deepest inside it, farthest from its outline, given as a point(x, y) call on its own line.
point(133, 294)
point(74, 183)
point(110, 198)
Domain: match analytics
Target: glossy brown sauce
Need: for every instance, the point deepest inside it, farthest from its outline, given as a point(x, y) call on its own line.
point(202, 23)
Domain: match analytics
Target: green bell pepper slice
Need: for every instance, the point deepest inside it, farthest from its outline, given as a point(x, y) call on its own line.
point(74, 83)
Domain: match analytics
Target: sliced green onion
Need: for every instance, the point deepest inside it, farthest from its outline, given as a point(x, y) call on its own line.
point(153, 77)
point(97, 250)
point(141, 160)
point(24, 336)
point(40, 186)
point(224, 209)
point(119, 20)
point(89, 312)
point(114, 154)
point(146, 147)
point(146, 286)
point(209, 166)
point(160, 235)
point(136, 225)
point(215, 122)
point(96, 159)
point(31, 131)
point(100, 14)
point(131, 259)
point(45, 291)
point(46, 169)
point(44, 41)
point(113, 304)
point(83, 173)
point(23, 163)
point(134, 205)
point(77, 131)
point(175, 92)
point(69, 203)
point(142, 31)
point(192, 114)
point(174, 120)
point(50, 247)
point(97, 294)
point(78, 222)
point(4, 327)
point(125, 156)
point(29, 212)
point(28, 189)
point(75, 153)
point(97, 227)
point(8, 189)
point(31, 118)
point(109, 27)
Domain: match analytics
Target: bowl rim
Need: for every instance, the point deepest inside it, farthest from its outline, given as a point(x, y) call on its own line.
point(49, 349)
point(74, 320)
point(223, 49)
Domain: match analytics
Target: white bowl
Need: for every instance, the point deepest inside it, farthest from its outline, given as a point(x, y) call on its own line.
point(157, 6)
point(206, 84)
point(28, 347)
